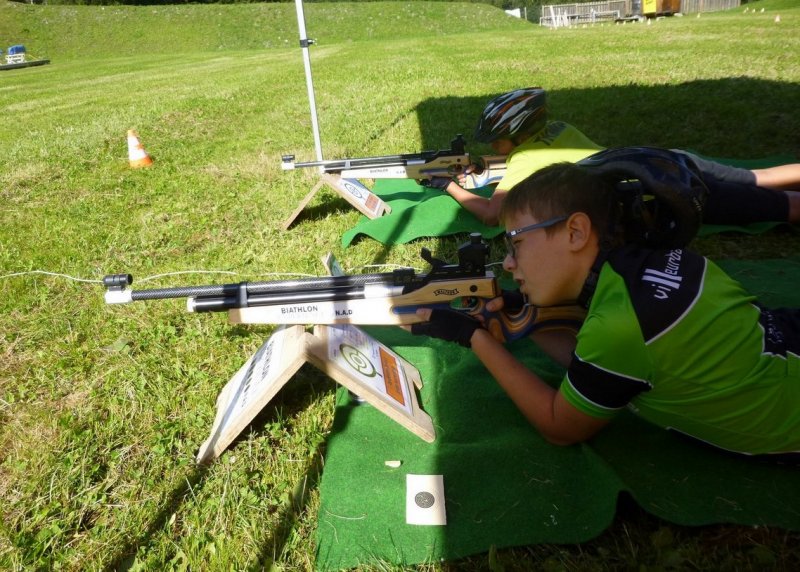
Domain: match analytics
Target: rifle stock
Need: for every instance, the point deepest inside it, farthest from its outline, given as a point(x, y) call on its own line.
point(380, 306)
point(419, 166)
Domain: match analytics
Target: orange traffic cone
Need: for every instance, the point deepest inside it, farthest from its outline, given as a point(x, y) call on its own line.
point(137, 156)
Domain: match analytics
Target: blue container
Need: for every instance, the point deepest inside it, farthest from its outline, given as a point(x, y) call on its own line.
point(18, 49)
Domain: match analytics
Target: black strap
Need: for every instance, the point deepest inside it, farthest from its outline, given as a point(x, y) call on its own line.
point(589, 286)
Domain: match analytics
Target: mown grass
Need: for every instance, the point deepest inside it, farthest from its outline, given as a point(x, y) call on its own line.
point(102, 409)
point(92, 32)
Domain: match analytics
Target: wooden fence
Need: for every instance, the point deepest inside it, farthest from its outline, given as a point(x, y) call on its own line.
point(692, 6)
point(557, 15)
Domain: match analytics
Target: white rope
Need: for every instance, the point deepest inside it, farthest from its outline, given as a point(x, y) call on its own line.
point(228, 272)
point(51, 274)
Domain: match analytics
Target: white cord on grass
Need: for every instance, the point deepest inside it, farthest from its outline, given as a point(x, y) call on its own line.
point(272, 274)
point(154, 276)
point(51, 274)
point(76, 279)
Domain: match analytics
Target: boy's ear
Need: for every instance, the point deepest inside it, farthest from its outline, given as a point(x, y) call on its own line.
point(579, 226)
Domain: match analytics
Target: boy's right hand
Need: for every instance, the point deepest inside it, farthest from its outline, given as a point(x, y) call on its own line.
point(509, 300)
point(472, 168)
point(508, 318)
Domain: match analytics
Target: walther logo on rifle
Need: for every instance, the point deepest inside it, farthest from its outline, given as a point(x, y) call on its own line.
point(446, 292)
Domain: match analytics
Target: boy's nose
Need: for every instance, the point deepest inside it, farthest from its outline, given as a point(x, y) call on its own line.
point(509, 263)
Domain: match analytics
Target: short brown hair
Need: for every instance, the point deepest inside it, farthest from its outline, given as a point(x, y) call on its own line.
point(562, 189)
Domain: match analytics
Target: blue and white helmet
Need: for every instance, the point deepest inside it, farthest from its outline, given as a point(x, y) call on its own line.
point(515, 114)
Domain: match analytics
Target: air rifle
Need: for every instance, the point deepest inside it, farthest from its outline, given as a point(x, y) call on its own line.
point(419, 166)
point(390, 298)
point(385, 298)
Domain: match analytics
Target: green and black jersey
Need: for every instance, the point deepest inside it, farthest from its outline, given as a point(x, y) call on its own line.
point(682, 344)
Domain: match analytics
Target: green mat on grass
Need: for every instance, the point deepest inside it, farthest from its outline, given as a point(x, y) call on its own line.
point(420, 211)
point(505, 486)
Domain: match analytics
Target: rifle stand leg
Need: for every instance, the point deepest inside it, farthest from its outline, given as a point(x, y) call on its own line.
point(271, 367)
point(303, 204)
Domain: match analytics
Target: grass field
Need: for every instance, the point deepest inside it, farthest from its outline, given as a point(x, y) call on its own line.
point(102, 408)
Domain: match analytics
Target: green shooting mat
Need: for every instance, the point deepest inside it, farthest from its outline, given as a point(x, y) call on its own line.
point(417, 211)
point(420, 211)
point(505, 486)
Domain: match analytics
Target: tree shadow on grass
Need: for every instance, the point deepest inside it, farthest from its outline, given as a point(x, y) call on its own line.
point(734, 118)
point(742, 117)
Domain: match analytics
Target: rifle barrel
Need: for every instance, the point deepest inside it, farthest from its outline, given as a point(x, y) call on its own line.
point(304, 286)
point(220, 303)
point(457, 147)
point(366, 162)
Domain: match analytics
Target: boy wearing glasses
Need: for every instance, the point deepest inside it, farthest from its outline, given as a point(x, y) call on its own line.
point(667, 333)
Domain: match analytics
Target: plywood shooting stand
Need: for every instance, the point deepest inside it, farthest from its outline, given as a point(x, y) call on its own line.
point(345, 353)
point(343, 175)
point(351, 190)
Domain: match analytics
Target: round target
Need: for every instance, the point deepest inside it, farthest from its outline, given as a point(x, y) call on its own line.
point(353, 190)
point(357, 360)
point(424, 499)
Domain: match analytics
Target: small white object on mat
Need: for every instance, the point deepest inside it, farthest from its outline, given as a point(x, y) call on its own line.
point(425, 500)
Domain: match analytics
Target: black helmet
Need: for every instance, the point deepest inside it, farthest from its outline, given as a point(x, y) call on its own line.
point(661, 192)
point(520, 112)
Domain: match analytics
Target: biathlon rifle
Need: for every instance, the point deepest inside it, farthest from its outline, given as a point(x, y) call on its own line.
point(390, 298)
point(420, 166)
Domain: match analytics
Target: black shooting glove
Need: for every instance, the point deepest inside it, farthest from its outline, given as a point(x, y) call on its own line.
point(448, 325)
point(440, 183)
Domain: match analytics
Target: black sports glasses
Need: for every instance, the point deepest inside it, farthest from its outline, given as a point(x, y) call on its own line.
point(509, 236)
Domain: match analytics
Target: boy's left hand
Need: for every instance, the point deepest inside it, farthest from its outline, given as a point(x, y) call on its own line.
point(449, 325)
point(440, 183)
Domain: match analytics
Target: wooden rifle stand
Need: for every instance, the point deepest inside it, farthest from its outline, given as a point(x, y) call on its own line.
point(345, 353)
point(351, 190)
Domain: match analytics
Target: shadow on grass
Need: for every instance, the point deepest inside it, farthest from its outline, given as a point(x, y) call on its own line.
point(738, 117)
point(741, 117)
point(731, 117)
point(192, 483)
point(273, 545)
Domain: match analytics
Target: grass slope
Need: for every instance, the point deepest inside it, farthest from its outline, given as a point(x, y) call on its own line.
point(102, 409)
point(62, 32)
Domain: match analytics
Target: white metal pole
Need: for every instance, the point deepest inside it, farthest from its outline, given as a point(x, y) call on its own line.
point(304, 43)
